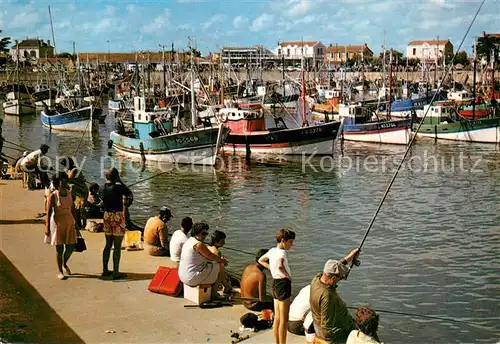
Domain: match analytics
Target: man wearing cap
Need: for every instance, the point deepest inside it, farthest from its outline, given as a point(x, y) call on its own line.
point(332, 321)
point(156, 233)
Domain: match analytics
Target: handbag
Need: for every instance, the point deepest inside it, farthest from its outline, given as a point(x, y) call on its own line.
point(80, 245)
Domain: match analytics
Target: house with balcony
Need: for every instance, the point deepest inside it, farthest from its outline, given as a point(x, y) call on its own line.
point(242, 57)
point(291, 53)
point(342, 53)
point(31, 49)
point(430, 50)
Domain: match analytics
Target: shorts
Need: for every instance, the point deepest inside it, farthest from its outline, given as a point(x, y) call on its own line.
point(296, 327)
point(114, 223)
point(79, 202)
point(282, 289)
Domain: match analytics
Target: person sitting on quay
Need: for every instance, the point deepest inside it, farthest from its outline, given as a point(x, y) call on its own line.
point(33, 165)
point(114, 221)
point(95, 206)
point(218, 240)
point(366, 323)
point(156, 233)
point(79, 189)
point(300, 318)
point(178, 239)
point(332, 321)
point(253, 285)
point(60, 224)
point(198, 265)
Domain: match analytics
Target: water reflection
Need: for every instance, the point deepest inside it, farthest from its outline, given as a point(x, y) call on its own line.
point(432, 250)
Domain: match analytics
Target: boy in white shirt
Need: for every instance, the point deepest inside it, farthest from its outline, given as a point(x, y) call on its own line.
point(277, 262)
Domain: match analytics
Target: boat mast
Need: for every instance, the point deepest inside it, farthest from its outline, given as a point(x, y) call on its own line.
point(362, 74)
point(474, 84)
point(17, 73)
point(193, 105)
point(303, 85)
point(221, 81)
point(390, 87)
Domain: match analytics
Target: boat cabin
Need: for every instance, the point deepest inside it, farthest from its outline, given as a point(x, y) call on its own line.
point(149, 123)
point(354, 113)
point(439, 112)
point(242, 121)
point(461, 96)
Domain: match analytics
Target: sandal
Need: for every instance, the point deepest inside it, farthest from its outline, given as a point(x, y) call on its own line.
point(121, 275)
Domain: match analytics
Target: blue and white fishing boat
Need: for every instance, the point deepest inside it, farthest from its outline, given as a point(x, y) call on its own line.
point(154, 136)
point(358, 125)
point(84, 119)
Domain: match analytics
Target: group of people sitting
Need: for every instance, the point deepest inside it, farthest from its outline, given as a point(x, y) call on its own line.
point(317, 311)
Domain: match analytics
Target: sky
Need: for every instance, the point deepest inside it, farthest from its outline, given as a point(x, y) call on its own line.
point(128, 26)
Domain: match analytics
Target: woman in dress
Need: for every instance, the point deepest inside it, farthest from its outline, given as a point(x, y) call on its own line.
point(60, 224)
point(198, 265)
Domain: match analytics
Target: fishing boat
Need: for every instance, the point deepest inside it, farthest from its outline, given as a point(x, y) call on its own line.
point(154, 136)
point(359, 125)
point(84, 119)
point(249, 133)
point(442, 122)
point(18, 104)
point(474, 112)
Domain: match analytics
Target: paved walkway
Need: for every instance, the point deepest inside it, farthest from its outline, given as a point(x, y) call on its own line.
point(106, 311)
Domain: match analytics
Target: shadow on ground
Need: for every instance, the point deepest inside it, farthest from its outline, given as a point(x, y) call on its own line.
point(25, 316)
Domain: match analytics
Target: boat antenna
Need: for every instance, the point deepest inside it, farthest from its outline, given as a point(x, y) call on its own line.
point(381, 203)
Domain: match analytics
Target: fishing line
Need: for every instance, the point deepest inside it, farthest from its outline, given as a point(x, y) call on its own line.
point(426, 317)
point(26, 149)
point(413, 139)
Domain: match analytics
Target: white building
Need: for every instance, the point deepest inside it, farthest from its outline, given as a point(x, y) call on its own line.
point(247, 56)
point(313, 52)
point(31, 49)
point(429, 50)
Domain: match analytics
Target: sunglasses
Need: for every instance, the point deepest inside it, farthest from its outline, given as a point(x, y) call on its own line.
point(204, 233)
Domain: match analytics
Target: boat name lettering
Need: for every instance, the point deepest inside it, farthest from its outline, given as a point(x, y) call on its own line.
point(387, 125)
point(313, 130)
point(186, 139)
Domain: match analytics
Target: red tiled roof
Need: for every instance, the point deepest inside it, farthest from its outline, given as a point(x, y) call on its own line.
point(300, 43)
point(348, 48)
point(430, 42)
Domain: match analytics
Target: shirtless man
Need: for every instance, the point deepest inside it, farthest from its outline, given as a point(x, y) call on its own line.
point(253, 285)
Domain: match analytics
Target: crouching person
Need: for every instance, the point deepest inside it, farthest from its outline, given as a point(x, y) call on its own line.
point(198, 265)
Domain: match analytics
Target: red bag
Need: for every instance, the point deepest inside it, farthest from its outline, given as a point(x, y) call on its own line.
point(166, 281)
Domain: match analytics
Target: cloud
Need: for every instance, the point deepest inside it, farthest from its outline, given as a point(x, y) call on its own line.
point(158, 23)
point(443, 3)
point(298, 7)
point(212, 20)
point(131, 8)
point(239, 22)
point(261, 22)
point(306, 20)
point(23, 20)
point(186, 27)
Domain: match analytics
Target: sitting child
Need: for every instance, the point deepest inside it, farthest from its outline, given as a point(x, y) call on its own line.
point(94, 208)
point(218, 241)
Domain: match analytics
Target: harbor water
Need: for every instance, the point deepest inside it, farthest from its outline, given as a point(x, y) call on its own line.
point(433, 249)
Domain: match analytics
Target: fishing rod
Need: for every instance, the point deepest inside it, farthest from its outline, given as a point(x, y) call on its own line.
point(355, 261)
point(432, 317)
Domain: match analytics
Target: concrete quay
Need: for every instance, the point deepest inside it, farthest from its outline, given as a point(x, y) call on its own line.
point(97, 311)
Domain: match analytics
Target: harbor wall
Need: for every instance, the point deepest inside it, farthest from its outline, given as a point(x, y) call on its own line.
point(269, 75)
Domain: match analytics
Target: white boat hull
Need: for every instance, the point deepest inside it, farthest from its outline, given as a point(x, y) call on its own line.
point(320, 148)
point(400, 137)
point(16, 108)
point(486, 135)
point(201, 156)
